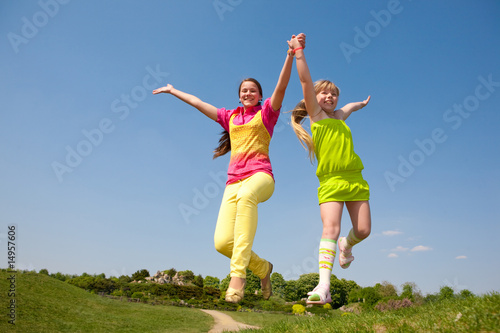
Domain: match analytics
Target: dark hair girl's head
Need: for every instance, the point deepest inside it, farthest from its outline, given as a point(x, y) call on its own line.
point(250, 80)
point(225, 141)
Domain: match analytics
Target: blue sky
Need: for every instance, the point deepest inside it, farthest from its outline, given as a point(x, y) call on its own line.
point(100, 176)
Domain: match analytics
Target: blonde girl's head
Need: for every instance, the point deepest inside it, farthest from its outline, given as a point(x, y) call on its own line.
point(299, 114)
point(325, 85)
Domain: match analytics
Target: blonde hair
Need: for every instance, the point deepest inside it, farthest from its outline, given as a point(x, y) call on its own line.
point(299, 114)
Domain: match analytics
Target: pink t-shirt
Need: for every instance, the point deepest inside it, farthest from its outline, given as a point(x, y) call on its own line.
point(269, 119)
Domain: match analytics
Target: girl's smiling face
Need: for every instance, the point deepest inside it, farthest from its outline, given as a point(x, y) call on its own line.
point(249, 94)
point(327, 100)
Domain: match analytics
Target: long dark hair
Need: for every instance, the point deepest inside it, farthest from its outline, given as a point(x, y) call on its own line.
point(225, 142)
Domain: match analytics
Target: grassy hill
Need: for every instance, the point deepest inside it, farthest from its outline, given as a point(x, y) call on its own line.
point(44, 304)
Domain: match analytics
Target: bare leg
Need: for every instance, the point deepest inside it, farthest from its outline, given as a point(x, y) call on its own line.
point(360, 218)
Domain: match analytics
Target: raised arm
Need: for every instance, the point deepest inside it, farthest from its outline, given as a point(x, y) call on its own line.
point(284, 78)
point(347, 109)
point(208, 110)
point(312, 105)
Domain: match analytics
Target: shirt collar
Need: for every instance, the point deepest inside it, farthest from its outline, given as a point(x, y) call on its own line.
point(250, 110)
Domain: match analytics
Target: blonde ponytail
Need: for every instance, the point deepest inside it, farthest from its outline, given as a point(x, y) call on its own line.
point(299, 114)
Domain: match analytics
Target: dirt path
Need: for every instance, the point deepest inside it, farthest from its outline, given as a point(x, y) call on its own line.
point(224, 323)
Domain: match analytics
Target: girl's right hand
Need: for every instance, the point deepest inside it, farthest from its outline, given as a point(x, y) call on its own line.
point(297, 41)
point(302, 39)
point(167, 89)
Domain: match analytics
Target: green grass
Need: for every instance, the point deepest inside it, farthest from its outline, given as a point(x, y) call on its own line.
point(476, 314)
point(262, 319)
point(44, 304)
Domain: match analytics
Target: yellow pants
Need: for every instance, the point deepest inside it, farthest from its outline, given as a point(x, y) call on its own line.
point(237, 223)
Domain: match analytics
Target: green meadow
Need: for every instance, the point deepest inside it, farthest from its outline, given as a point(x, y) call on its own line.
point(45, 304)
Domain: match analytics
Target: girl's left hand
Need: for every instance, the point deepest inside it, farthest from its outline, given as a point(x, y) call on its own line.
point(360, 105)
point(167, 89)
point(297, 41)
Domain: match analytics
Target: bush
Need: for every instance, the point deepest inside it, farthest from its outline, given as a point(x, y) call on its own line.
point(446, 293)
point(140, 275)
point(137, 295)
point(298, 309)
point(211, 292)
point(273, 304)
point(394, 304)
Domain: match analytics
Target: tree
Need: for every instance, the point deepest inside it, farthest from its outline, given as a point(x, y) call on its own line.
point(125, 279)
point(408, 291)
point(224, 284)
point(62, 277)
point(306, 283)
point(386, 290)
point(370, 296)
point(355, 295)
point(103, 285)
point(44, 271)
point(278, 284)
point(446, 293)
point(292, 291)
point(186, 275)
point(171, 272)
point(95, 284)
point(340, 290)
point(210, 281)
point(140, 275)
point(466, 294)
point(198, 281)
point(252, 283)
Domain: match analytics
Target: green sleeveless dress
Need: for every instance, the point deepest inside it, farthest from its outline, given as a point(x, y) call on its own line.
point(339, 167)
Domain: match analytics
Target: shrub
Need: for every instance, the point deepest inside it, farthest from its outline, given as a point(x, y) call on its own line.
point(446, 293)
point(118, 293)
point(466, 294)
point(394, 304)
point(211, 292)
point(140, 275)
point(298, 309)
point(137, 295)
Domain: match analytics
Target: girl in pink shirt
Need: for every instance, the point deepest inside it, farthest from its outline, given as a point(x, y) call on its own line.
point(247, 134)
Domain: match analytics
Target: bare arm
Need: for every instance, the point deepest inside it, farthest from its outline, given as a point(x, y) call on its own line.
point(347, 109)
point(279, 92)
point(208, 110)
point(312, 106)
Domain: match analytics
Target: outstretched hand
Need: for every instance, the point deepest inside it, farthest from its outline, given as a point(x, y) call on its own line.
point(297, 41)
point(360, 105)
point(347, 109)
point(167, 89)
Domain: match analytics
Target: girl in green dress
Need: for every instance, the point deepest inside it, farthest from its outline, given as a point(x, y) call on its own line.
point(339, 170)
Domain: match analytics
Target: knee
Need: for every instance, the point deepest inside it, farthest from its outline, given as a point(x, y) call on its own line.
point(362, 233)
point(331, 231)
point(223, 246)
